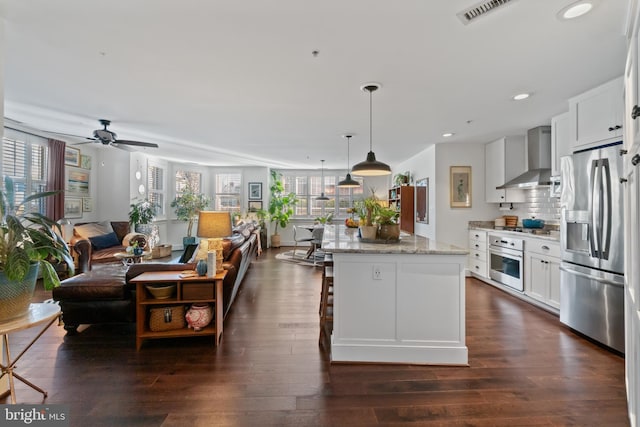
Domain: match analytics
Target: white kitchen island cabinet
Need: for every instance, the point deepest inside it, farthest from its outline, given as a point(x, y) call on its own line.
point(397, 303)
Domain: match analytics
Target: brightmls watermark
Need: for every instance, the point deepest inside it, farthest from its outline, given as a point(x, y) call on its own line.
point(34, 415)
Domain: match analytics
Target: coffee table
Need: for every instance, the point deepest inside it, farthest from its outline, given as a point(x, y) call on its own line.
point(39, 313)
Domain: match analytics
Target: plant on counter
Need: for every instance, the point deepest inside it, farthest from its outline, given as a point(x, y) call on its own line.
point(387, 216)
point(28, 240)
point(324, 219)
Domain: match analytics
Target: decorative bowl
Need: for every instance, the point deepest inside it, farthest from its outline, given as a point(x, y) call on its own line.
point(161, 291)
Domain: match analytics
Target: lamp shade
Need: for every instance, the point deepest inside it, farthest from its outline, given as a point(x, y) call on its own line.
point(214, 224)
point(348, 182)
point(371, 167)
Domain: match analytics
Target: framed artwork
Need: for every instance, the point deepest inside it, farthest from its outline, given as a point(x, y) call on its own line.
point(255, 191)
point(87, 204)
point(460, 186)
point(72, 207)
point(85, 161)
point(71, 156)
point(77, 181)
point(255, 206)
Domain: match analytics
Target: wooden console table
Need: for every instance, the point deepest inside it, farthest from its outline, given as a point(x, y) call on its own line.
point(193, 289)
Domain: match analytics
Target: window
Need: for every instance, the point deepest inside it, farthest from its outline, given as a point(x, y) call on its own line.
point(227, 194)
point(24, 159)
point(308, 185)
point(156, 188)
point(188, 179)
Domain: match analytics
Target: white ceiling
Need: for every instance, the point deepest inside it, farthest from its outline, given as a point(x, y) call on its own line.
point(224, 82)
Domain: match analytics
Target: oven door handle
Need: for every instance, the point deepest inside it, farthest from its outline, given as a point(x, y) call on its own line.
point(505, 253)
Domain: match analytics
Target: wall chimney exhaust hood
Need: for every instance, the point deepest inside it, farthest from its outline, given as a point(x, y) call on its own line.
point(539, 160)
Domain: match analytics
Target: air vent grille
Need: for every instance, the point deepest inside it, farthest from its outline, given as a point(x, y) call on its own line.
point(476, 11)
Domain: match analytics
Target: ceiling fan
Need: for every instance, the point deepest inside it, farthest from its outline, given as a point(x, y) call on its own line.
point(107, 137)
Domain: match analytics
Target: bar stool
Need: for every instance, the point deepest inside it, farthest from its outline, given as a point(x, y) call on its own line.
point(326, 300)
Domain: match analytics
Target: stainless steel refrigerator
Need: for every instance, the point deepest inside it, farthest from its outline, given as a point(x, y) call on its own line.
point(592, 269)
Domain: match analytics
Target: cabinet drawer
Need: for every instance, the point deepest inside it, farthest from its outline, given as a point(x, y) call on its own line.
point(478, 235)
point(198, 291)
point(477, 255)
point(544, 247)
point(478, 267)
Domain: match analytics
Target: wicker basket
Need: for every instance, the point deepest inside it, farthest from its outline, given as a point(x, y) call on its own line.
point(166, 318)
point(511, 220)
point(161, 251)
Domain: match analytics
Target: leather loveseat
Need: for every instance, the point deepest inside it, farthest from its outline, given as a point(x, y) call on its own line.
point(105, 295)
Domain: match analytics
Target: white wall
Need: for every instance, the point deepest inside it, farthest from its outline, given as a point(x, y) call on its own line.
point(112, 198)
point(446, 224)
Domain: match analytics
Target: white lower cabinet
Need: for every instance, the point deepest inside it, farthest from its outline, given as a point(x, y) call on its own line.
point(542, 271)
point(477, 261)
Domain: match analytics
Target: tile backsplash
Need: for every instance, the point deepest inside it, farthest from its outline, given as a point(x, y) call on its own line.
point(539, 204)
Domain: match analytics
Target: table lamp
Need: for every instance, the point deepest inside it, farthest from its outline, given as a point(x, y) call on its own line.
point(213, 226)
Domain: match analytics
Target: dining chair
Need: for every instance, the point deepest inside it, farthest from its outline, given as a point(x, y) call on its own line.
point(300, 237)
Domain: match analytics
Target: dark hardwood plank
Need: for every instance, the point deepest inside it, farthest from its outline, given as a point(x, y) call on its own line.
point(525, 369)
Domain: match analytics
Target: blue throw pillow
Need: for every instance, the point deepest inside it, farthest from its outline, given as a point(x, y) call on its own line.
point(104, 241)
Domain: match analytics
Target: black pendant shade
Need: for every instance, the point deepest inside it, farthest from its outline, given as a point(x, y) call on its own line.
point(322, 197)
point(348, 182)
point(371, 167)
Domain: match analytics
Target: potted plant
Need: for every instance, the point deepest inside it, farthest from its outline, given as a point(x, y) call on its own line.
point(29, 241)
point(324, 219)
point(387, 219)
point(188, 205)
point(402, 178)
point(262, 216)
point(281, 206)
point(368, 209)
point(141, 216)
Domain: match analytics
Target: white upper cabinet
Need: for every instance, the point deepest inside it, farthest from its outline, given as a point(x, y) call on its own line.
point(504, 160)
point(597, 115)
point(560, 140)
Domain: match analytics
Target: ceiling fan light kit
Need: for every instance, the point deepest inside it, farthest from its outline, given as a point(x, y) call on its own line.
point(107, 137)
point(371, 166)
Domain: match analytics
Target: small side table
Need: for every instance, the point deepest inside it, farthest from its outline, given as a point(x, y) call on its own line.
point(39, 313)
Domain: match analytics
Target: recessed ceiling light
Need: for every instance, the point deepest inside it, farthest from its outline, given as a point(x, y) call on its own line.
point(521, 96)
point(576, 9)
point(448, 134)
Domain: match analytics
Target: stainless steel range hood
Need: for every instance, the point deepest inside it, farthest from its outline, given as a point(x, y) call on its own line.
point(539, 159)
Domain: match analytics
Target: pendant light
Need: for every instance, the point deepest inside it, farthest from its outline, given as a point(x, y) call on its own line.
point(348, 182)
point(322, 197)
point(371, 167)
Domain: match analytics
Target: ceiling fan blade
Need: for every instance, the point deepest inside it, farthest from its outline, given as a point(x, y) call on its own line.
point(122, 147)
point(86, 142)
point(136, 143)
point(70, 134)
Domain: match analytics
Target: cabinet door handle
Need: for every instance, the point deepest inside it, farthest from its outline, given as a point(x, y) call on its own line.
point(635, 159)
point(635, 112)
point(613, 128)
point(477, 255)
point(477, 246)
point(545, 247)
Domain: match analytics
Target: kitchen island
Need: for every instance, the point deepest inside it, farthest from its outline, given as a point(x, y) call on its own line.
point(401, 302)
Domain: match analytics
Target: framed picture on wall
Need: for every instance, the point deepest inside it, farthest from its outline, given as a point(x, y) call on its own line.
point(255, 191)
point(71, 156)
point(72, 207)
point(255, 206)
point(77, 181)
point(87, 204)
point(85, 161)
point(460, 186)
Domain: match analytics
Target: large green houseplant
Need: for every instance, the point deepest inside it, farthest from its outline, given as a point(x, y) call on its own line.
point(141, 216)
point(188, 205)
point(281, 206)
point(29, 241)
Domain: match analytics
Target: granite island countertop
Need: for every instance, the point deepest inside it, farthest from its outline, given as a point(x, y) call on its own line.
point(340, 239)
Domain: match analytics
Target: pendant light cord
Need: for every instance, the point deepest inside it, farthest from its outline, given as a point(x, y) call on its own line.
point(348, 144)
point(370, 120)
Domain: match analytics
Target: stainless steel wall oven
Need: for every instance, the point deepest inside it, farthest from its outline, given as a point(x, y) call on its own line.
point(506, 261)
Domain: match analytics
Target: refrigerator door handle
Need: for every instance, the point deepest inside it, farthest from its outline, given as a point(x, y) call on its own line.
point(589, 276)
point(606, 213)
point(593, 225)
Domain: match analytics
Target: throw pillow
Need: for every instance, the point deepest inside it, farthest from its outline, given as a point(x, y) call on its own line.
point(93, 229)
point(104, 241)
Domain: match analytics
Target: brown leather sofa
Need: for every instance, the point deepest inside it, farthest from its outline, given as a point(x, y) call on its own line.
point(104, 294)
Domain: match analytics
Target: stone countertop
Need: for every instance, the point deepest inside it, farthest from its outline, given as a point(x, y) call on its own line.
point(555, 237)
point(340, 239)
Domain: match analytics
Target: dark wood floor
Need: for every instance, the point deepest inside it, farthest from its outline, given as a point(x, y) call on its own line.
point(525, 369)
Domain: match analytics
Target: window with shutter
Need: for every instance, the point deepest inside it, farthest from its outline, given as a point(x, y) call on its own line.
point(24, 159)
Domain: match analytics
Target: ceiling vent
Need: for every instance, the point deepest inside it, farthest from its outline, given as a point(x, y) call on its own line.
point(474, 12)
